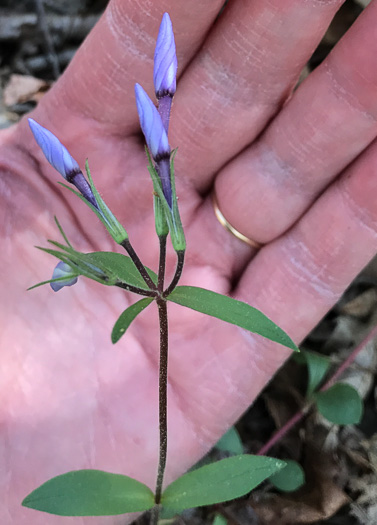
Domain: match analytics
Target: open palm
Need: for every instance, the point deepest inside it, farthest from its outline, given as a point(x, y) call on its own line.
point(69, 398)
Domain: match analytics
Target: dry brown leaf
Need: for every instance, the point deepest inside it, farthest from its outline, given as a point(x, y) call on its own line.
point(362, 305)
point(24, 88)
point(319, 499)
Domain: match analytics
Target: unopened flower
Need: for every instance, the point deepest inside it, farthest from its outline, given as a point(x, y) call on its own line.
point(165, 60)
point(67, 275)
point(59, 157)
point(151, 125)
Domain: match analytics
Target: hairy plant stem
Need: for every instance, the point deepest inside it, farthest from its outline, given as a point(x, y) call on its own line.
point(303, 411)
point(162, 403)
point(162, 263)
point(135, 289)
point(137, 262)
point(178, 273)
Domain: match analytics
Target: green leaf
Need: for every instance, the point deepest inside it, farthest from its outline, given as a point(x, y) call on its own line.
point(121, 267)
point(317, 368)
point(221, 481)
point(220, 520)
point(126, 318)
point(340, 404)
point(289, 478)
point(230, 442)
point(82, 265)
point(231, 311)
point(90, 493)
point(57, 280)
point(113, 266)
point(166, 516)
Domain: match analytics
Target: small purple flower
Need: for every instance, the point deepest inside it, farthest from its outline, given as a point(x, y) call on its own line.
point(165, 60)
point(54, 151)
point(60, 159)
point(63, 269)
point(152, 125)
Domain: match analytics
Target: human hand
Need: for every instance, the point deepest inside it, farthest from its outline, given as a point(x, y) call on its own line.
point(69, 399)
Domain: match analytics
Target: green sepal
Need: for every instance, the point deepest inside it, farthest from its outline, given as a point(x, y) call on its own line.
point(171, 214)
point(162, 227)
point(112, 225)
point(179, 242)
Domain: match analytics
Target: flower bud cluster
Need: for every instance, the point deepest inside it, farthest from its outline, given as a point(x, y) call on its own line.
point(154, 123)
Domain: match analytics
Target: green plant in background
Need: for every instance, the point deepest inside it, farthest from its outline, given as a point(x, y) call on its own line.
point(338, 402)
point(94, 492)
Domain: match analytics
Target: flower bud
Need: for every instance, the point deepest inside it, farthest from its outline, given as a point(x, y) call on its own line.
point(165, 60)
point(151, 125)
point(61, 270)
point(60, 159)
point(54, 151)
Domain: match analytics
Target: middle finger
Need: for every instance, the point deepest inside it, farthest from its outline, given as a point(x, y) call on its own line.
point(245, 70)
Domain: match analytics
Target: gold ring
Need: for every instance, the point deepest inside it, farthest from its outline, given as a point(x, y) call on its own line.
point(222, 220)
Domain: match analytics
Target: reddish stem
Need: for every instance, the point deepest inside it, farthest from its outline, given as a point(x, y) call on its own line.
point(303, 411)
point(372, 334)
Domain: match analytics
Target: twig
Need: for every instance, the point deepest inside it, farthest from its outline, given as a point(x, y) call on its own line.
point(53, 59)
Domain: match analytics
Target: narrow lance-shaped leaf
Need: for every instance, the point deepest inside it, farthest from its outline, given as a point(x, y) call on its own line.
point(126, 318)
point(231, 311)
point(105, 267)
point(122, 267)
point(221, 481)
point(90, 493)
point(62, 232)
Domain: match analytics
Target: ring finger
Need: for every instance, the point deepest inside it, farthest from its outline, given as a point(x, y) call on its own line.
point(328, 122)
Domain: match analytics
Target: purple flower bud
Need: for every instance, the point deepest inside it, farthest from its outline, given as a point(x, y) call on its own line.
point(62, 269)
point(151, 125)
point(59, 157)
point(165, 60)
point(54, 151)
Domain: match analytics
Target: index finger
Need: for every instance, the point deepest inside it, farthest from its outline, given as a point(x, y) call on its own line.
point(99, 83)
